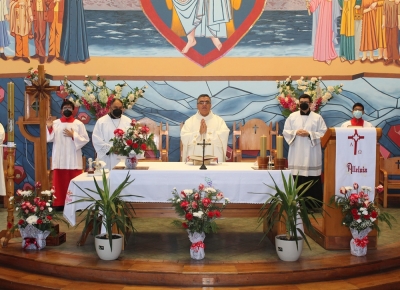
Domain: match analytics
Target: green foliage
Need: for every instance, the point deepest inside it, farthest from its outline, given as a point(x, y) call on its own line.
point(108, 208)
point(286, 205)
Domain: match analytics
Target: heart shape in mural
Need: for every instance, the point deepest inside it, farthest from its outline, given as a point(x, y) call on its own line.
point(162, 14)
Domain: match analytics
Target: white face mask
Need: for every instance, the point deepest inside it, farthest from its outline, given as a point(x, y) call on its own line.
point(357, 114)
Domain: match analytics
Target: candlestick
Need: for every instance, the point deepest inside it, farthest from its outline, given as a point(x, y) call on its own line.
point(279, 147)
point(263, 145)
point(10, 106)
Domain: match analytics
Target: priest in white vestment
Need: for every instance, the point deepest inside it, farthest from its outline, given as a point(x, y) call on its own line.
point(2, 181)
point(68, 136)
point(103, 132)
point(302, 131)
point(203, 18)
point(357, 120)
point(204, 125)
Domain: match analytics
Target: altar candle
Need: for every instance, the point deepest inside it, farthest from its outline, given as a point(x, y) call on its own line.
point(10, 107)
point(263, 145)
point(279, 147)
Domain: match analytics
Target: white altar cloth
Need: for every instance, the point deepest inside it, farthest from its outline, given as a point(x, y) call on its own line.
point(238, 181)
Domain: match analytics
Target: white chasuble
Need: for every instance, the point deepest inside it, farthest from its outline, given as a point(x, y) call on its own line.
point(305, 154)
point(103, 132)
point(67, 153)
point(217, 134)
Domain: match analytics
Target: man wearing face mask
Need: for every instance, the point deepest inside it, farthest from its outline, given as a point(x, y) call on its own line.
point(68, 136)
point(302, 131)
point(104, 131)
point(357, 120)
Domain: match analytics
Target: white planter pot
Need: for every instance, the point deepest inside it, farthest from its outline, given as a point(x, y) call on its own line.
point(287, 250)
point(103, 247)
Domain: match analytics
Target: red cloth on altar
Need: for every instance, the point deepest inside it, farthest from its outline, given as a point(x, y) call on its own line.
point(61, 179)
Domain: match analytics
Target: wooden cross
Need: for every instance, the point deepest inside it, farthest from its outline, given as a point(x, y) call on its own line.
point(398, 164)
point(40, 90)
point(35, 106)
point(255, 129)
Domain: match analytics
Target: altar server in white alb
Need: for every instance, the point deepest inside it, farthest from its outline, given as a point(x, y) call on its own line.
point(357, 120)
point(2, 182)
point(68, 136)
point(302, 131)
point(204, 125)
point(104, 131)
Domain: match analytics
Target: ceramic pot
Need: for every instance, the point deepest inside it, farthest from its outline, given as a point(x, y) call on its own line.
point(287, 250)
point(103, 249)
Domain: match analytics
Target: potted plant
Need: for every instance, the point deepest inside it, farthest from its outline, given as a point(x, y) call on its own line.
point(107, 210)
point(199, 208)
point(132, 142)
point(360, 215)
point(290, 207)
point(36, 216)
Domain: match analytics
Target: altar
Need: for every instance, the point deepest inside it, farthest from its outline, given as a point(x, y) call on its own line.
point(244, 185)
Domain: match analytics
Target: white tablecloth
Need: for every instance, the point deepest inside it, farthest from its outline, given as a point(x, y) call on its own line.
point(238, 181)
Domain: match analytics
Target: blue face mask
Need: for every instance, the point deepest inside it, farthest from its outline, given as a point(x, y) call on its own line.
point(357, 114)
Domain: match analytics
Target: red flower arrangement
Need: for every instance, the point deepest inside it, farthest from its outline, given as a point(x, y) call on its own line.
point(199, 207)
point(359, 211)
point(136, 138)
point(35, 209)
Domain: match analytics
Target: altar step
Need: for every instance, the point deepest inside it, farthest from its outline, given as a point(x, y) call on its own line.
point(51, 269)
point(17, 279)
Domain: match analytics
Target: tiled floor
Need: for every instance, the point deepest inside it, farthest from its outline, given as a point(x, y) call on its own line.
point(238, 240)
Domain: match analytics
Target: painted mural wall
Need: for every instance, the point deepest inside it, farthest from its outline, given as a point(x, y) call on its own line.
point(83, 32)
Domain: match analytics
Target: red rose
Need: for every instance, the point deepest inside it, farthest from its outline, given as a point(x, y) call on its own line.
point(49, 217)
point(145, 129)
point(129, 142)
point(38, 184)
point(210, 214)
point(206, 202)
point(133, 122)
point(21, 222)
point(135, 145)
point(143, 146)
point(185, 225)
point(184, 204)
point(201, 186)
point(367, 216)
point(196, 196)
point(355, 185)
point(194, 205)
point(374, 214)
point(189, 216)
point(39, 221)
point(217, 213)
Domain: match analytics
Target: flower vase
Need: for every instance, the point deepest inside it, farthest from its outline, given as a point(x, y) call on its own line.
point(358, 244)
point(197, 247)
point(33, 238)
point(131, 161)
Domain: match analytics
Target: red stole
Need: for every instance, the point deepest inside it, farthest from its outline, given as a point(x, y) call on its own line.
point(357, 122)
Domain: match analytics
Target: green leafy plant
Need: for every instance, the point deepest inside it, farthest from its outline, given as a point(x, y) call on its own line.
point(286, 206)
point(108, 208)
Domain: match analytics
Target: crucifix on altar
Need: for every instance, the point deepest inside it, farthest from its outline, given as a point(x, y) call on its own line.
point(204, 144)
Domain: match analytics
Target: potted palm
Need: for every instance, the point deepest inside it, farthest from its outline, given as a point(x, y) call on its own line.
point(289, 206)
point(107, 210)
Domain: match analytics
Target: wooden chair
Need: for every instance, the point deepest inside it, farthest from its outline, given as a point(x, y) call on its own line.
point(247, 138)
point(389, 177)
point(159, 133)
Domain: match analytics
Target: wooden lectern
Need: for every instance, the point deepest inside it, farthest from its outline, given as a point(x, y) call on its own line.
point(330, 234)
